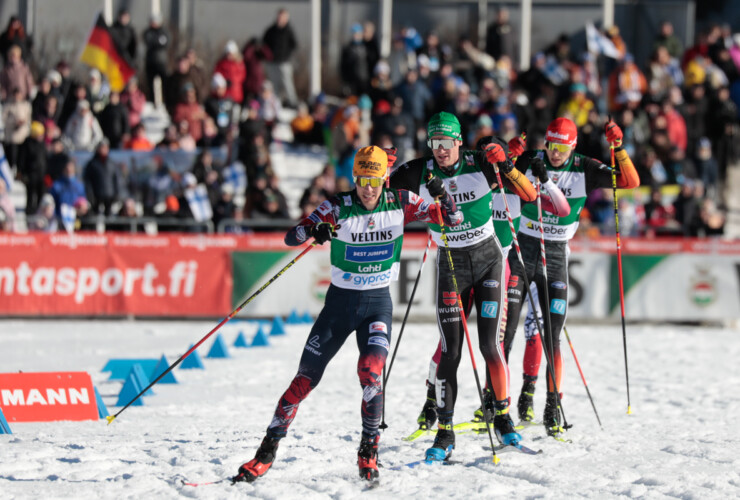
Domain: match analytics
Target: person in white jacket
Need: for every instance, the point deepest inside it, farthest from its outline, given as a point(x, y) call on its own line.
point(82, 132)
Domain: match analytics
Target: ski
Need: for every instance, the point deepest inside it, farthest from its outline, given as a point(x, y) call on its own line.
point(503, 448)
point(419, 433)
point(370, 484)
point(556, 438)
point(206, 483)
point(416, 463)
point(526, 424)
point(469, 426)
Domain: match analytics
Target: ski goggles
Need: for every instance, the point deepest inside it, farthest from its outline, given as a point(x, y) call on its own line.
point(372, 181)
point(441, 143)
point(554, 146)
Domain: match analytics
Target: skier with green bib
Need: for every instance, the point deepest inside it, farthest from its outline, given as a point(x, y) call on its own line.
point(575, 176)
point(478, 265)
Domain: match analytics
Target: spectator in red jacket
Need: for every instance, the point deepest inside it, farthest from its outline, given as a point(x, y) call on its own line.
point(231, 66)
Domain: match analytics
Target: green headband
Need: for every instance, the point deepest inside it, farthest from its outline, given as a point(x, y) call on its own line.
point(446, 124)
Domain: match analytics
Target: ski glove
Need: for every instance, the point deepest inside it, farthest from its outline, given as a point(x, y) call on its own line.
point(436, 187)
point(322, 232)
point(516, 147)
point(539, 170)
point(495, 153)
point(391, 152)
point(613, 133)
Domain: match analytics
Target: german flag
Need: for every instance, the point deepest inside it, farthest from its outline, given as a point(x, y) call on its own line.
point(102, 53)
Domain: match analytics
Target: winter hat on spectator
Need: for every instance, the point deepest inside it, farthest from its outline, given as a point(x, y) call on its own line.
point(47, 200)
point(382, 107)
point(370, 161)
point(231, 47)
point(189, 180)
point(695, 73)
point(382, 67)
point(81, 202)
point(227, 188)
point(562, 131)
point(446, 124)
point(172, 203)
point(37, 129)
point(54, 77)
point(218, 81)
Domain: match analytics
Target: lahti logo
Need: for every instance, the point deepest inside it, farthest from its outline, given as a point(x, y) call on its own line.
point(371, 224)
point(703, 287)
point(453, 185)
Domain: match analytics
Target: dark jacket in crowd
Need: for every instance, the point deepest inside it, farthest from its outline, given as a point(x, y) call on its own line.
point(280, 41)
point(102, 182)
point(114, 122)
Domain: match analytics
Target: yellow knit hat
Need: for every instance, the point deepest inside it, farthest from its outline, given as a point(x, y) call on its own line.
point(370, 161)
point(37, 129)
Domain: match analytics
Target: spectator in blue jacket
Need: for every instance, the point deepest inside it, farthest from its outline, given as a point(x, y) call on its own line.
point(68, 188)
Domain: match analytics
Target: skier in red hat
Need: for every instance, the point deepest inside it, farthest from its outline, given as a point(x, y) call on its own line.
point(576, 176)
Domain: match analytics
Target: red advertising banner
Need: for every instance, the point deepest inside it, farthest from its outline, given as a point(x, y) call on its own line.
point(91, 274)
point(47, 397)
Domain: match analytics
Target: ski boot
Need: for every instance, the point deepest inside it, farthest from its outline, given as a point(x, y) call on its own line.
point(443, 445)
point(551, 417)
point(367, 457)
point(478, 417)
point(525, 405)
point(428, 415)
point(261, 462)
point(503, 424)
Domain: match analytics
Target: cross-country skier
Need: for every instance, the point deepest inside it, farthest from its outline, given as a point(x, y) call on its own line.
point(365, 228)
point(478, 265)
point(558, 204)
point(576, 176)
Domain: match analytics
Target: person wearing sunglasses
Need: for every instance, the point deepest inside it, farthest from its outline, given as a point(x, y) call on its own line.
point(365, 229)
point(576, 176)
point(555, 204)
point(478, 267)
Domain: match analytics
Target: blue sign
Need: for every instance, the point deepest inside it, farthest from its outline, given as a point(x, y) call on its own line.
point(489, 309)
point(557, 306)
point(373, 253)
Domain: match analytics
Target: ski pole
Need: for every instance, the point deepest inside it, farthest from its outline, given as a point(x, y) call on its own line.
point(387, 374)
point(546, 309)
point(223, 322)
point(496, 460)
point(619, 268)
point(582, 377)
point(526, 283)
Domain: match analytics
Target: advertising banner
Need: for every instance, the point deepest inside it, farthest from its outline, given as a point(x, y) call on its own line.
point(680, 279)
point(47, 397)
point(102, 275)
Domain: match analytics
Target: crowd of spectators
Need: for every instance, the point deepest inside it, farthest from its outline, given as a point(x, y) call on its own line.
point(679, 114)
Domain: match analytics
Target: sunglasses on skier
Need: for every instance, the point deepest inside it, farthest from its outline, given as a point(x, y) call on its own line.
point(554, 146)
point(441, 143)
point(373, 181)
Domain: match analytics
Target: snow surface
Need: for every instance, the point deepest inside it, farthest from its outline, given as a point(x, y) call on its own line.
point(681, 440)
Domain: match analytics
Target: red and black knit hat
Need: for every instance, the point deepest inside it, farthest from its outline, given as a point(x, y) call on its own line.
point(562, 131)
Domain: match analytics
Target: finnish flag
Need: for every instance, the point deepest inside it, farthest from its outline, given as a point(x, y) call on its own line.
point(6, 175)
point(200, 204)
point(69, 216)
point(598, 43)
point(236, 175)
